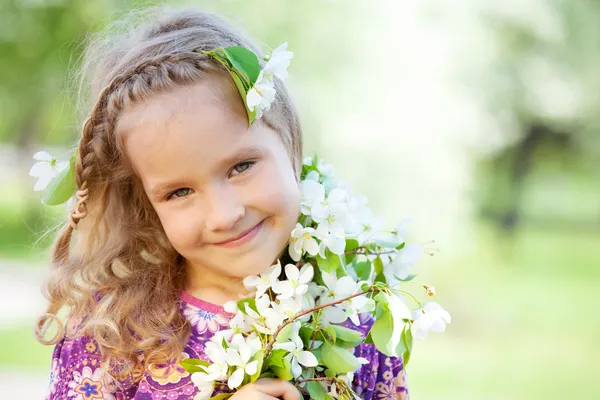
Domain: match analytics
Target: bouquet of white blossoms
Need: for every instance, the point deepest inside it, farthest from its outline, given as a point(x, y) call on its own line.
point(292, 328)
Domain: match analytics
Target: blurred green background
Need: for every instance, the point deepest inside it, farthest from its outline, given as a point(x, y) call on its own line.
point(480, 120)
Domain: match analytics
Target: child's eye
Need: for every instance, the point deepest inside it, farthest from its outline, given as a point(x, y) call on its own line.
point(181, 192)
point(241, 167)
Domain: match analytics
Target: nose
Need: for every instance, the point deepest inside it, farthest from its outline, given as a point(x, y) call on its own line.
point(224, 210)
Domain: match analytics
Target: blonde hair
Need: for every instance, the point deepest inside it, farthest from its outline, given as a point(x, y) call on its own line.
point(119, 277)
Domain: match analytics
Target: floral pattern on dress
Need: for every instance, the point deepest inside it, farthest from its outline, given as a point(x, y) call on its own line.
point(204, 321)
point(77, 374)
point(170, 372)
point(88, 385)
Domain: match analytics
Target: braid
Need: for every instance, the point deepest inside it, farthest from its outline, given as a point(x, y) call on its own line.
point(96, 141)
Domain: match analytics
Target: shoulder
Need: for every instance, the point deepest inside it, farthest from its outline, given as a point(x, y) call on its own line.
point(77, 372)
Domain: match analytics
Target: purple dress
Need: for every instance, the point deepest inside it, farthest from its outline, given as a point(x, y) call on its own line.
point(76, 372)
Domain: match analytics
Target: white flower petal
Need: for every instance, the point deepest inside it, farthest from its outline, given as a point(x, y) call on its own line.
point(42, 156)
point(252, 367)
point(40, 169)
point(308, 359)
point(235, 380)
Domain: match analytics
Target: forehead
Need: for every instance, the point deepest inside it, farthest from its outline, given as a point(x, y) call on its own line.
point(190, 128)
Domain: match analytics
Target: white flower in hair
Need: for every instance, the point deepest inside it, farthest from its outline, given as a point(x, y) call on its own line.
point(278, 62)
point(261, 95)
point(45, 169)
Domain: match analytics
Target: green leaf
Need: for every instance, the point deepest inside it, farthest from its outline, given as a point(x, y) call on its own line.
point(244, 60)
point(338, 359)
point(401, 348)
point(284, 372)
point(306, 333)
point(351, 245)
point(285, 333)
point(192, 365)
point(61, 187)
point(260, 357)
point(408, 341)
point(363, 269)
point(378, 265)
point(346, 334)
point(329, 264)
point(409, 338)
point(315, 390)
point(276, 358)
point(331, 332)
point(267, 374)
point(408, 278)
point(369, 339)
point(243, 93)
point(242, 305)
point(381, 333)
point(388, 244)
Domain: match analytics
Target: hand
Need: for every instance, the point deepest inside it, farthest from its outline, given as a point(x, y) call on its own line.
point(267, 389)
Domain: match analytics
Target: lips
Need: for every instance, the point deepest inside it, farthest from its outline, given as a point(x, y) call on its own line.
point(243, 237)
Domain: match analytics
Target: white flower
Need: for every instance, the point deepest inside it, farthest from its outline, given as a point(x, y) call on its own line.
point(289, 307)
point(432, 317)
point(261, 95)
point(302, 240)
point(357, 305)
point(267, 319)
point(312, 176)
point(405, 259)
point(400, 312)
point(337, 289)
point(331, 213)
point(334, 241)
point(296, 283)
point(45, 169)
point(216, 354)
point(311, 193)
point(399, 233)
point(239, 355)
point(325, 169)
point(205, 382)
point(297, 355)
point(279, 61)
point(263, 282)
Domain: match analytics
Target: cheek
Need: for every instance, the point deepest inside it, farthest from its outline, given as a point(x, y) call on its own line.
point(181, 232)
point(279, 194)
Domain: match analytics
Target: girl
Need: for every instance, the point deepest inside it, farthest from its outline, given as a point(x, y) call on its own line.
point(177, 201)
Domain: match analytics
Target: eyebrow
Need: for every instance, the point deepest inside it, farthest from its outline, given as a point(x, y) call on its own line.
point(243, 154)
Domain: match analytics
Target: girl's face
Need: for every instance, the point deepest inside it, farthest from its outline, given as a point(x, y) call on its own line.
point(226, 194)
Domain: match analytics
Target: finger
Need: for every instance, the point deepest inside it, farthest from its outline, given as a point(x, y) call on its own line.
point(278, 388)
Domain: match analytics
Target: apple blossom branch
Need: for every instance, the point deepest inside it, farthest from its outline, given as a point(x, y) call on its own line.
point(269, 346)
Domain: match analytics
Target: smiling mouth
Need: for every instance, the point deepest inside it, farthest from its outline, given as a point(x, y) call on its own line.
point(243, 238)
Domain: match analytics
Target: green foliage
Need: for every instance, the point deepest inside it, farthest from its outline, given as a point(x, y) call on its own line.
point(338, 359)
point(330, 263)
point(192, 365)
point(316, 391)
point(62, 187)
